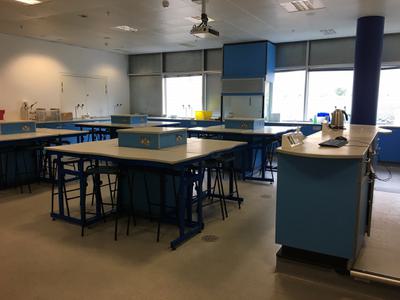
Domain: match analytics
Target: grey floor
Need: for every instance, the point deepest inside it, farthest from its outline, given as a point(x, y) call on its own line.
point(385, 172)
point(45, 259)
point(381, 253)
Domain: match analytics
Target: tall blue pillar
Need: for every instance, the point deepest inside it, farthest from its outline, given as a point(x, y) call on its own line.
point(367, 68)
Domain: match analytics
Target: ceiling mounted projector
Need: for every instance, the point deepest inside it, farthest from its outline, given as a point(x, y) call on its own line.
point(203, 30)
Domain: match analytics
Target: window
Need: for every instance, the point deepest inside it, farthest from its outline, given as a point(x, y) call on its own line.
point(183, 95)
point(288, 95)
point(327, 90)
point(389, 97)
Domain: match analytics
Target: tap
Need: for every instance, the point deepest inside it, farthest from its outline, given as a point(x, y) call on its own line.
point(76, 107)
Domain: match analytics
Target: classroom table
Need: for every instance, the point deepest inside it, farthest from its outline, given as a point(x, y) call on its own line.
point(41, 134)
point(32, 142)
point(111, 128)
point(165, 161)
point(258, 139)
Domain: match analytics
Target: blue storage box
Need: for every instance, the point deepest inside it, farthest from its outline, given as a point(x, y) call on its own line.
point(129, 119)
point(17, 127)
point(244, 123)
point(152, 137)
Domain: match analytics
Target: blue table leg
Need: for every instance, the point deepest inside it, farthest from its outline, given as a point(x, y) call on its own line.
point(181, 201)
point(82, 183)
point(61, 178)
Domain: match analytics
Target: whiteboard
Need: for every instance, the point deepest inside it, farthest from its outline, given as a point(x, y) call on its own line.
point(89, 91)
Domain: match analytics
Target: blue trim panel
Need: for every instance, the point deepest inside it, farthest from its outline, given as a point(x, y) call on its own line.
point(247, 60)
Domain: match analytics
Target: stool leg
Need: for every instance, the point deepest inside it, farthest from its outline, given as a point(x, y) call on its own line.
point(98, 196)
point(131, 181)
point(236, 187)
point(82, 183)
point(117, 211)
point(162, 204)
point(26, 170)
point(146, 187)
point(53, 186)
point(222, 193)
point(215, 185)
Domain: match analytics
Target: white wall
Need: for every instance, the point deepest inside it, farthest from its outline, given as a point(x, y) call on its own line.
point(31, 69)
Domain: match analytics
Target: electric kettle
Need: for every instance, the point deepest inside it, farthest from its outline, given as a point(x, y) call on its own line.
point(338, 117)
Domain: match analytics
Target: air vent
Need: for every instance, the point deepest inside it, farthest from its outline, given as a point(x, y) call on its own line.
point(302, 5)
point(328, 31)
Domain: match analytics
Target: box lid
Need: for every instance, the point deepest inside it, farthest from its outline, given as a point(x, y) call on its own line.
point(17, 122)
point(128, 115)
point(153, 130)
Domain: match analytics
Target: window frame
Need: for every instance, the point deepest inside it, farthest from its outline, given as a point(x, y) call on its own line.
point(184, 74)
point(384, 68)
point(287, 70)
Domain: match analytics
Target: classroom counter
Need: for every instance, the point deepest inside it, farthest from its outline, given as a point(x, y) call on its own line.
point(325, 196)
point(360, 138)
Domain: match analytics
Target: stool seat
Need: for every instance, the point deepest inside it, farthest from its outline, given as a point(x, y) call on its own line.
point(105, 170)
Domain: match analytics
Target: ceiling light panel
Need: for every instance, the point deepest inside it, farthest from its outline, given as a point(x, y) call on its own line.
point(29, 2)
point(302, 5)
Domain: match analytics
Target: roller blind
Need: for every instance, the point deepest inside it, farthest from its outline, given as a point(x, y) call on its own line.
point(145, 64)
point(213, 93)
point(332, 52)
point(146, 95)
point(213, 59)
point(391, 48)
point(291, 55)
point(189, 61)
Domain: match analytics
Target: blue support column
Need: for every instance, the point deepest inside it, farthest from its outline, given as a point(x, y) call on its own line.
point(367, 68)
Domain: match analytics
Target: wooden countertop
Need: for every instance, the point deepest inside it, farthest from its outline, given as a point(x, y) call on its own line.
point(359, 137)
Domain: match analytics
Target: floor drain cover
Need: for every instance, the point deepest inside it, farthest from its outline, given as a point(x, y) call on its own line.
point(210, 238)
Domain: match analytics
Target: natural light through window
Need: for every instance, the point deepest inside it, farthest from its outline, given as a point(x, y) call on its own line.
point(327, 90)
point(183, 95)
point(389, 97)
point(288, 95)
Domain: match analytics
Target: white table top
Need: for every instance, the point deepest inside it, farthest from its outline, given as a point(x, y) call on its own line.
point(360, 137)
point(196, 148)
point(267, 130)
point(40, 133)
point(124, 126)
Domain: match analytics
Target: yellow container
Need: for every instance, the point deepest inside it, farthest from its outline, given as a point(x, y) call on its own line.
point(203, 115)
